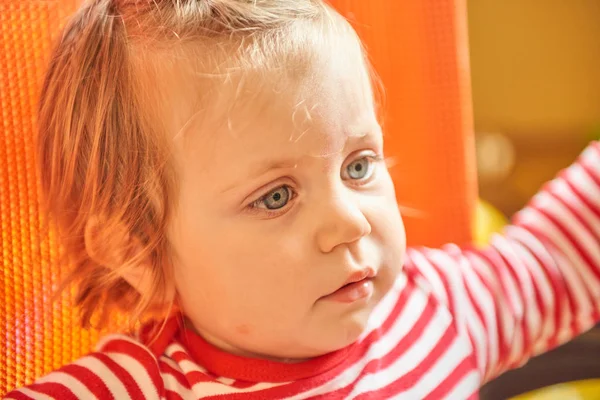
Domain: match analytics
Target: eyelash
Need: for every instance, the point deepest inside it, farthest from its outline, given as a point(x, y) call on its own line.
point(255, 209)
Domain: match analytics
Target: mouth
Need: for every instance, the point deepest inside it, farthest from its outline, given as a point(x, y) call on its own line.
point(358, 286)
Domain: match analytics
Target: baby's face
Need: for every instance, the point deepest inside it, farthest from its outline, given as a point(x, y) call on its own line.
point(284, 199)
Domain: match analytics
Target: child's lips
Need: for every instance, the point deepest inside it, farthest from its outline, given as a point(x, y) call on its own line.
point(349, 293)
point(359, 285)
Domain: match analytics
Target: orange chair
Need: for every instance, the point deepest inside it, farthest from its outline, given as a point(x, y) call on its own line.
point(417, 46)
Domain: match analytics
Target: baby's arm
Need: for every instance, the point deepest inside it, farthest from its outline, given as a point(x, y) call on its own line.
point(535, 286)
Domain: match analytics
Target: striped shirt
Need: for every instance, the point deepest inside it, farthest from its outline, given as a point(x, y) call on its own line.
point(455, 318)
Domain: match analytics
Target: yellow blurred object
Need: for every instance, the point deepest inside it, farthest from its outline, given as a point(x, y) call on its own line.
point(579, 390)
point(488, 220)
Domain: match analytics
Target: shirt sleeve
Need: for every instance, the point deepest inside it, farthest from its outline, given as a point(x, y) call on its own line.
point(535, 286)
point(121, 369)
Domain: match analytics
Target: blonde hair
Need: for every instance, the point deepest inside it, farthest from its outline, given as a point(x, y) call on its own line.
point(104, 156)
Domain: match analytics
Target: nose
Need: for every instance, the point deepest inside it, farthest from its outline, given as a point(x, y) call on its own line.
point(341, 221)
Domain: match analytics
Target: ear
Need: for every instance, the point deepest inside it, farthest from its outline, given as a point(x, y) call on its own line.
point(142, 278)
point(111, 245)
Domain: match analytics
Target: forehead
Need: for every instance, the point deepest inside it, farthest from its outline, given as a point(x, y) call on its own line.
point(303, 106)
point(289, 105)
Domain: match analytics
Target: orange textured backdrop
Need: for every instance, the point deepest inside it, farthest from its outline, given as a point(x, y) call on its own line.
point(419, 48)
point(36, 335)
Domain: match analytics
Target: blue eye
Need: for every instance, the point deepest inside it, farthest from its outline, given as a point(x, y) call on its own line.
point(275, 199)
point(359, 169)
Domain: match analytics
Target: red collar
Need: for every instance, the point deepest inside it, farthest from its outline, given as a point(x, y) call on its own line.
point(232, 366)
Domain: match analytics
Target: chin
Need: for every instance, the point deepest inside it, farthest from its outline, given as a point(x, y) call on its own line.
point(348, 329)
point(356, 325)
point(340, 328)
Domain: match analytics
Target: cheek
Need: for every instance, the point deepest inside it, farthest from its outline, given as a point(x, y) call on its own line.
point(392, 245)
point(390, 226)
point(259, 289)
point(230, 262)
point(391, 230)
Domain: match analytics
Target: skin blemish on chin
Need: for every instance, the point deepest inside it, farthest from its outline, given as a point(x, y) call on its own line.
point(243, 329)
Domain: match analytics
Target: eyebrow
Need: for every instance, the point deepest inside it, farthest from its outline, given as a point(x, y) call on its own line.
point(261, 168)
point(264, 167)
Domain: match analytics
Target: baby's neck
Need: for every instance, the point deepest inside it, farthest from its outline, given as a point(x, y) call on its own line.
point(226, 347)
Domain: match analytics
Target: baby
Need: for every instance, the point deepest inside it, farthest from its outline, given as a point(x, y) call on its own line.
point(218, 164)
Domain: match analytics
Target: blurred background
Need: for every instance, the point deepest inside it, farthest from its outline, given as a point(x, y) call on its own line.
point(536, 91)
point(536, 99)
